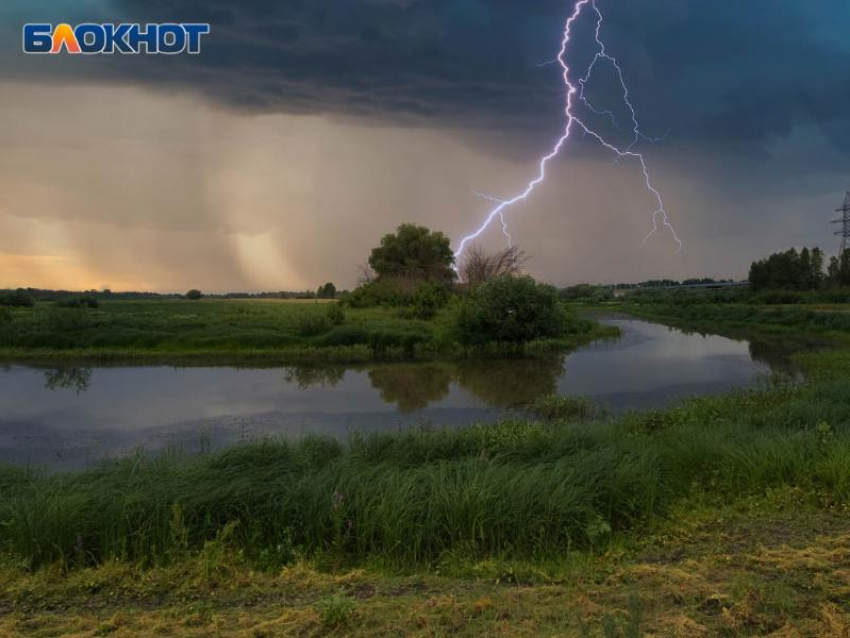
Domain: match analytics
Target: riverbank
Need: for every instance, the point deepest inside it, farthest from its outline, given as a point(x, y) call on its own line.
point(724, 515)
point(816, 322)
point(221, 332)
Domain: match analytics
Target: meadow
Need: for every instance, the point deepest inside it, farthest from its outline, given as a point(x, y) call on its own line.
point(227, 331)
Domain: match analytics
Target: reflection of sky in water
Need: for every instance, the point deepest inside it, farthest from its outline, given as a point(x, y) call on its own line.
point(653, 363)
point(156, 407)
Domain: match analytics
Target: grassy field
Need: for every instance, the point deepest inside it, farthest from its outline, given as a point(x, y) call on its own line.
point(231, 331)
point(721, 516)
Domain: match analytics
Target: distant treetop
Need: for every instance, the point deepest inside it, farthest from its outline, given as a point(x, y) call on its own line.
point(414, 252)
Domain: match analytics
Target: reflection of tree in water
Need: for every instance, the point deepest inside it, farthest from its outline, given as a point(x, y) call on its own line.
point(305, 376)
point(508, 382)
point(78, 379)
point(777, 352)
point(412, 386)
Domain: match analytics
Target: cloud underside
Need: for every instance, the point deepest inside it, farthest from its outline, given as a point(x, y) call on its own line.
point(735, 77)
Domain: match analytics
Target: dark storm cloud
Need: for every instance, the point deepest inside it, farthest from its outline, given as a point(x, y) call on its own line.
point(736, 74)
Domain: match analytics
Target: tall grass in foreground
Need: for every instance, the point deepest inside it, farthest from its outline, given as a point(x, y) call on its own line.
point(524, 489)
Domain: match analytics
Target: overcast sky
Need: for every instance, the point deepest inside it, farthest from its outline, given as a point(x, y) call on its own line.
point(307, 129)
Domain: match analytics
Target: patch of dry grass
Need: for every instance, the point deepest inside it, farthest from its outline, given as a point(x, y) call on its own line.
point(740, 570)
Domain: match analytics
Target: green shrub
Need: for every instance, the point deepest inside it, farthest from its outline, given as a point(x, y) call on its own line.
point(428, 300)
point(336, 314)
point(511, 310)
point(382, 292)
point(5, 315)
point(194, 294)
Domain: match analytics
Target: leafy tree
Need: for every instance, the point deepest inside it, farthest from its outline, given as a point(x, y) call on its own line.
point(839, 269)
point(789, 270)
point(328, 291)
point(816, 277)
point(510, 310)
point(415, 253)
point(194, 294)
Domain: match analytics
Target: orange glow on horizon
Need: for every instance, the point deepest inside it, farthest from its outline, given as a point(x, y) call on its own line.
point(57, 272)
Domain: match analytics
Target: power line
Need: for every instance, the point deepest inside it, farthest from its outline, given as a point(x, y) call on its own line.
point(844, 233)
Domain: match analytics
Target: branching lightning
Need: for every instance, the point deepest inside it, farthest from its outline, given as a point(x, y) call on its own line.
point(501, 216)
point(576, 93)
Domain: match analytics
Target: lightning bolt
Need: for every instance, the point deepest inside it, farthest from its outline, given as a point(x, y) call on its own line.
point(501, 216)
point(576, 94)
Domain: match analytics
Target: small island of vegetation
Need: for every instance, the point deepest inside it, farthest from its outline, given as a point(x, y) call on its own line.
point(409, 305)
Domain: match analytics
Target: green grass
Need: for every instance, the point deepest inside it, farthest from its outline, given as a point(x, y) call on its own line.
point(230, 331)
point(563, 408)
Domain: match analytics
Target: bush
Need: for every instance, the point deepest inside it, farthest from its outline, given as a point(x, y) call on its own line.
point(312, 325)
point(510, 310)
point(85, 301)
point(428, 300)
point(383, 292)
point(336, 314)
point(194, 294)
point(18, 299)
point(5, 314)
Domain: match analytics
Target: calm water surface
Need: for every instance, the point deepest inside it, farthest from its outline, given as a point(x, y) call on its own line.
point(69, 417)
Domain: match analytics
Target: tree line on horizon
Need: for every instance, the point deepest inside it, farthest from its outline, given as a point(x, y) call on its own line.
point(800, 270)
point(415, 255)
